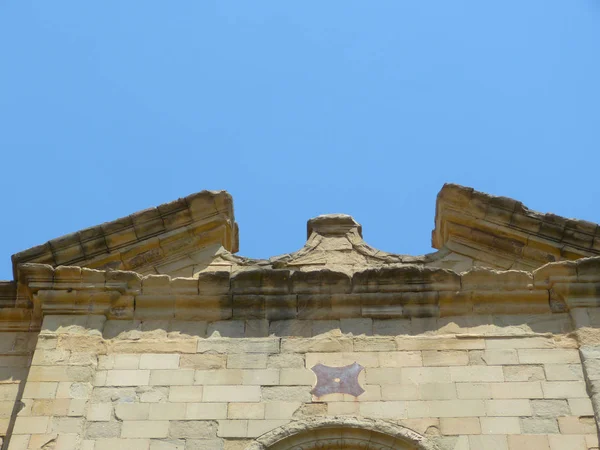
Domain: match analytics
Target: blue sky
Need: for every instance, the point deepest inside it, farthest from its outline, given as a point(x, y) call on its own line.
point(297, 109)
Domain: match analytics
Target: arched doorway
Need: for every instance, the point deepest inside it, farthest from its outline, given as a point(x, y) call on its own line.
point(341, 433)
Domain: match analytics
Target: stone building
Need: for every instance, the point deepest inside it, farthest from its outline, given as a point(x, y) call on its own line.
point(149, 332)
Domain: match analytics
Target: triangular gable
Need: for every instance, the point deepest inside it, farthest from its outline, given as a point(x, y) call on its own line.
point(155, 240)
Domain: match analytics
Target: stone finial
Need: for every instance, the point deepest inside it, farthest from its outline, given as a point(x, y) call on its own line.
point(332, 224)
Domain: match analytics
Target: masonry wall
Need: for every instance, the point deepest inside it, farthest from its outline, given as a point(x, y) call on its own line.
point(465, 383)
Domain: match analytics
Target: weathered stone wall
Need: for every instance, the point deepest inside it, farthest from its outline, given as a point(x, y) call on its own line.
point(464, 383)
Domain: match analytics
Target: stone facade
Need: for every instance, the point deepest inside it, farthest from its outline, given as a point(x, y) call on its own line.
point(150, 333)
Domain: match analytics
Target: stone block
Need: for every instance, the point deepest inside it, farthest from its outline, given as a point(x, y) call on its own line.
point(102, 430)
point(399, 359)
point(185, 394)
point(539, 425)
point(399, 392)
point(243, 394)
point(563, 372)
point(40, 390)
point(580, 407)
point(524, 442)
point(31, 425)
point(99, 412)
point(166, 411)
point(524, 373)
point(413, 375)
point(383, 410)
point(507, 408)
point(247, 361)
point(259, 427)
point(233, 428)
point(571, 442)
point(195, 429)
point(285, 360)
point(564, 389)
point(498, 357)
point(488, 442)
point(264, 377)
point(550, 408)
point(156, 429)
point(357, 326)
point(230, 346)
point(297, 377)
point(181, 377)
point(343, 409)
point(285, 393)
point(517, 390)
point(577, 425)
point(445, 358)
point(500, 425)
point(159, 361)
point(460, 425)
point(436, 391)
point(132, 411)
point(245, 411)
point(120, 444)
point(203, 361)
point(476, 373)
point(207, 411)
point(127, 377)
point(219, 376)
point(281, 410)
point(548, 356)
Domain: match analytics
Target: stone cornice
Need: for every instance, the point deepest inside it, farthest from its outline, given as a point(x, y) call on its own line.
point(273, 294)
point(468, 221)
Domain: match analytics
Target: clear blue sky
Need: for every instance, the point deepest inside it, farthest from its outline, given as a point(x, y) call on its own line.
point(297, 109)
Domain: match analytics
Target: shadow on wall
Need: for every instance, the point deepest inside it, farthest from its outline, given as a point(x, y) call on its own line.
point(16, 351)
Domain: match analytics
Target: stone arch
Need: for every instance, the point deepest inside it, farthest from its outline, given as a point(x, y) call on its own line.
point(336, 433)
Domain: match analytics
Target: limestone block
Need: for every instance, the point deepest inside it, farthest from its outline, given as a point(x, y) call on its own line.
point(357, 326)
point(437, 391)
point(507, 408)
point(284, 361)
point(198, 429)
point(145, 429)
point(461, 425)
point(374, 344)
point(229, 346)
point(101, 430)
point(476, 373)
point(538, 425)
point(100, 412)
point(297, 377)
point(524, 373)
point(391, 327)
point(489, 442)
point(499, 357)
point(219, 376)
point(413, 375)
point(203, 361)
point(500, 425)
point(243, 394)
point(31, 425)
point(365, 359)
point(40, 390)
point(173, 444)
point(132, 411)
point(227, 328)
point(245, 411)
point(445, 358)
point(400, 392)
point(548, 356)
point(564, 389)
point(563, 372)
point(577, 425)
point(439, 343)
point(264, 377)
point(127, 377)
point(259, 427)
point(257, 328)
point(285, 393)
point(207, 411)
point(446, 408)
point(572, 442)
point(247, 361)
point(532, 442)
point(383, 410)
point(181, 377)
point(399, 359)
point(550, 408)
point(178, 394)
point(213, 444)
point(324, 343)
point(166, 411)
point(517, 390)
point(342, 409)
point(159, 361)
point(281, 410)
point(233, 428)
point(580, 407)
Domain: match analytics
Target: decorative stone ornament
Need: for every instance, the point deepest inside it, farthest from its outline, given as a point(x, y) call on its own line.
point(337, 380)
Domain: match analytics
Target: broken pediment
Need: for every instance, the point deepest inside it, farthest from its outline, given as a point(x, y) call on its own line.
point(198, 234)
